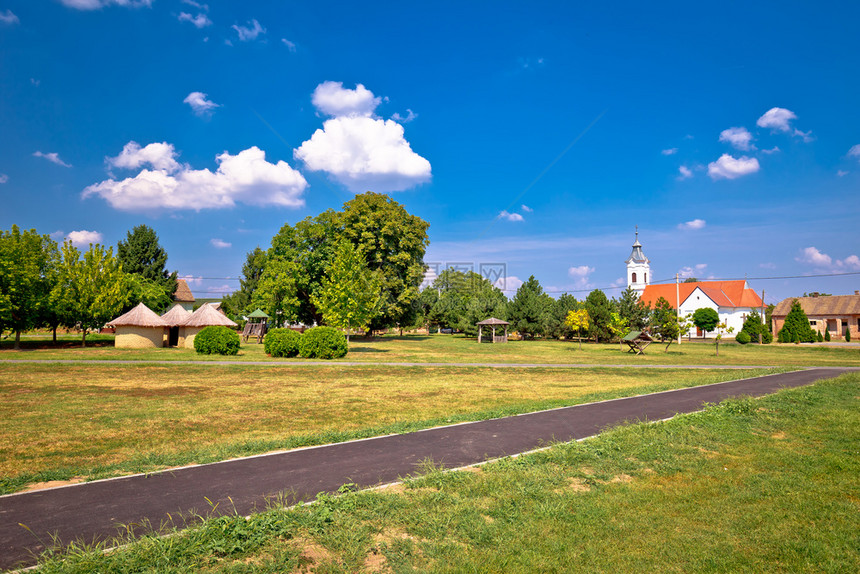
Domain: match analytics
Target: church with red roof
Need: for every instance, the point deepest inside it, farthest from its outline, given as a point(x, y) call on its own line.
point(732, 300)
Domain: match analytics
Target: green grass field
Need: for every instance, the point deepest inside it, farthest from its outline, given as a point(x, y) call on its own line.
point(767, 485)
point(84, 421)
point(458, 349)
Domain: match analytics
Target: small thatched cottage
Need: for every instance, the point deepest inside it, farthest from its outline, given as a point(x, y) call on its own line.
point(205, 316)
point(175, 319)
point(140, 328)
point(183, 295)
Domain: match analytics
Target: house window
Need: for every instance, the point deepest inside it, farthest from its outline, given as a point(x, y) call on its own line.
point(813, 322)
point(634, 278)
point(646, 279)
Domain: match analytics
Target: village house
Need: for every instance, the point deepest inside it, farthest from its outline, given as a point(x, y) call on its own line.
point(732, 300)
point(834, 313)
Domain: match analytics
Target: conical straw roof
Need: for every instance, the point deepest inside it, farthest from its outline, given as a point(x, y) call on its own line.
point(207, 315)
point(140, 316)
point(177, 316)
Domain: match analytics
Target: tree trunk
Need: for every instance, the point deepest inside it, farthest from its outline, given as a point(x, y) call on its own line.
point(84, 338)
point(17, 340)
point(55, 334)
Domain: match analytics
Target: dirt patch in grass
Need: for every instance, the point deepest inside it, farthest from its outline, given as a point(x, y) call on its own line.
point(52, 484)
point(313, 555)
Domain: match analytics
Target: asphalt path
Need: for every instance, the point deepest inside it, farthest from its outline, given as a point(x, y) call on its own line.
point(98, 510)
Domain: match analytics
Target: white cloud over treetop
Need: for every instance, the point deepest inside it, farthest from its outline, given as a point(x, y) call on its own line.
point(242, 178)
point(740, 138)
point(97, 4)
point(83, 237)
point(332, 99)
point(358, 150)
point(729, 167)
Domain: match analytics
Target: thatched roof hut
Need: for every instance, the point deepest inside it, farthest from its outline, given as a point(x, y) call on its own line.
point(175, 319)
point(140, 328)
point(183, 295)
point(204, 316)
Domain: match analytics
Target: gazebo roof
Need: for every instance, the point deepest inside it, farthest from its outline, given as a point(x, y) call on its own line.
point(208, 315)
point(140, 316)
point(492, 321)
point(177, 316)
point(258, 314)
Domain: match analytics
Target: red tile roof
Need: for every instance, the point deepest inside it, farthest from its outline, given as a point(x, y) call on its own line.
point(723, 293)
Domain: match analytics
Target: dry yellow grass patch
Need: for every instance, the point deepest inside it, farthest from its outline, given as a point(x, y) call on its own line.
point(312, 555)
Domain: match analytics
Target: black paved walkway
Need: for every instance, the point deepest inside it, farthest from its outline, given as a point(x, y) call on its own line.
point(94, 510)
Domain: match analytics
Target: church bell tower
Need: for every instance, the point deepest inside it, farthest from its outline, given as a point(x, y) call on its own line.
point(638, 268)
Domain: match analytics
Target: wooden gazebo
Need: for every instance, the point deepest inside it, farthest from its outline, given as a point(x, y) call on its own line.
point(256, 326)
point(493, 322)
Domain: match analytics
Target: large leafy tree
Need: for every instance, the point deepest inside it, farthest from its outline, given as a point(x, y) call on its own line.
point(664, 322)
point(393, 242)
point(706, 319)
point(600, 312)
point(27, 267)
point(142, 254)
point(578, 320)
point(527, 310)
point(348, 296)
point(459, 299)
point(630, 307)
point(90, 289)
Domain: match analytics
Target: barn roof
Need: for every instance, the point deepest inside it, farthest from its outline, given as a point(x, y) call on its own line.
point(140, 316)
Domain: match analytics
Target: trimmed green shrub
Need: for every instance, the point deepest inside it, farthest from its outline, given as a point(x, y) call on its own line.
point(827, 335)
point(743, 338)
point(282, 343)
point(820, 337)
point(217, 340)
point(847, 335)
point(322, 343)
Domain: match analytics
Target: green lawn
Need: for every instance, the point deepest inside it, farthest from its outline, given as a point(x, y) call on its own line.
point(82, 421)
point(458, 349)
point(767, 485)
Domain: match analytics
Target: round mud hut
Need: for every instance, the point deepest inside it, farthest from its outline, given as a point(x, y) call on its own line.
point(176, 318)
point(140, 328)
point(205, 316)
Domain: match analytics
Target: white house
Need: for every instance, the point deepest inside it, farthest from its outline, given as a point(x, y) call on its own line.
point(732, 300)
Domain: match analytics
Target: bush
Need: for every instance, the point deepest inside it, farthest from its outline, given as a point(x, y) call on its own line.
point(282, 343)
point(827, 335)
point(217, 340)
point(820, 337)
point(847, 335)
point(322, 343)
point(743, 338)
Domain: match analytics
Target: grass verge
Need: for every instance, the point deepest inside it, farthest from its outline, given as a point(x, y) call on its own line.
point(86, 421)
point(766, 485)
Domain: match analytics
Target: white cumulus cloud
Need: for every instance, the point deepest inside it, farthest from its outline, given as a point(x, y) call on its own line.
point(8, 17)
point(692, 225)
point(242, 178)
point(510, 216)
point(729, 167)
point(740, 138)
point(508, 283)
point(96, 4)
point(812, 256)
point(410, 115)
point(291, 46)
point(332, 99)
point(83, 237)
point(199, 21)
point(220, 243)
point(581, 274)
point(250, 32)
point(687, 272)
point(670, 151)
point(52, 157)
point(160, 156)
point(776, 119)
point(526, 208)
point(199, 103)
point(854, 151)
point(684, 173)
point(360, 151)
point(3, 178)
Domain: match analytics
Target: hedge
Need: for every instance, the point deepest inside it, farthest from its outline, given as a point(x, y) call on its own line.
point(282, 343)
point(217, 340)
point(322, 343)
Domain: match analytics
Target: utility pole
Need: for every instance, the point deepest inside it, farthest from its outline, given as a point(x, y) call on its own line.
point(678, 305)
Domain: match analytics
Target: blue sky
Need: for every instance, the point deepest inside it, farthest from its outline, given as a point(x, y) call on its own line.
point(535, 135)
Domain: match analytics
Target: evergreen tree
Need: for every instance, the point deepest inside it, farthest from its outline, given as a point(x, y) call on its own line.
point(600, 314)
point(142, 254)
point(630, 307)
point(754, 327)
point(796, 328)
point(528, 308)
point(555, 324)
